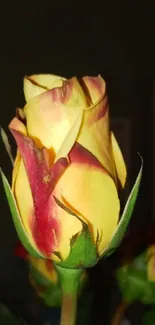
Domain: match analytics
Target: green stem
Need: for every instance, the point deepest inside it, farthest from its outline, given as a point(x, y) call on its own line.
point(70, 279)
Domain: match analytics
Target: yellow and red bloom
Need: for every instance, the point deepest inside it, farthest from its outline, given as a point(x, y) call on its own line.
point(66, 151)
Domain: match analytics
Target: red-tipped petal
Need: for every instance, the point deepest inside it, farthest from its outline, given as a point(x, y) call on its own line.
point(81, 155)
point(42, 179)
point(95, 88)
point(37, 169)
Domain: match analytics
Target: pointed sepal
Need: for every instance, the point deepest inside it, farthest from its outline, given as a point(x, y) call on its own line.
point(83, 250)
point(6, 144)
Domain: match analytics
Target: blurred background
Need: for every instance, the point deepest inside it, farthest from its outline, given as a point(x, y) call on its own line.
point(67, 38)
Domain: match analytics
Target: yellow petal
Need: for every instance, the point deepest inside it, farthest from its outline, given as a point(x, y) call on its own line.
point(69, 226)
point(17, 125)
point(94, 195)
point(16, 168)
point(20, 127)
point(96, 88)
point(51, 115)
point(95, 133)
point(95, 136)
point(70, 138)
point(119, 161)
point(37, 84)
point(23, 197)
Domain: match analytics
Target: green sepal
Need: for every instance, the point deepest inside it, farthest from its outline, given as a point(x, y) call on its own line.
point(6, 144)
point(16, 218)
point(83, 250)
point(126, 216)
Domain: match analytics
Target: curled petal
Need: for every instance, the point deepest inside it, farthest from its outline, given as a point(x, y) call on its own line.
point(95, 88)
point(95, 133)
point(37, 84)
point(51, 115)
point(71, 137)
point(17, 125)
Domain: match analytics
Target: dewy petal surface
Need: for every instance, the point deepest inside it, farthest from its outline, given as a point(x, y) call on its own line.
point(51, 115)
point(90, 190)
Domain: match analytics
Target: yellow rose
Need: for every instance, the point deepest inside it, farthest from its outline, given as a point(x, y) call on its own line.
point(66, 151)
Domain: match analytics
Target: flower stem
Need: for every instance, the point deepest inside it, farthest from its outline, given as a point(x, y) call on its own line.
point(120, 311)
point(69, 279)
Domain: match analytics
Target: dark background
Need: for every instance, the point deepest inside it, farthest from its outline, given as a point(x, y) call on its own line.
point(113, 38)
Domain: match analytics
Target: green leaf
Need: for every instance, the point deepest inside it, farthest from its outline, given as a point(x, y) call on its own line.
point(133, 281)
point(6, 144)
point(127, 213)
point(16, 218)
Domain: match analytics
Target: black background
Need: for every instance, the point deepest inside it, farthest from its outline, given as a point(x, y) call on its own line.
point(113, 38)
